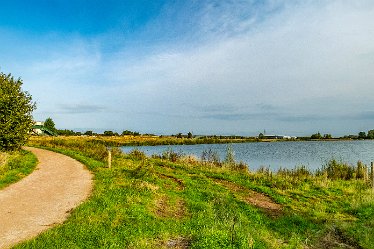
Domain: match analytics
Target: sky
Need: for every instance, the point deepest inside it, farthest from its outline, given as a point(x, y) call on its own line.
point(202, 66)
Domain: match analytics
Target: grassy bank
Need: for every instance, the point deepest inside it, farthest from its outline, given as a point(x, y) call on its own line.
point(180, 202)
point(15, 165)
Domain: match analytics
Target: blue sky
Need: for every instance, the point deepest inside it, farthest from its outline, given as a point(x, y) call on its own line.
point(206, 66)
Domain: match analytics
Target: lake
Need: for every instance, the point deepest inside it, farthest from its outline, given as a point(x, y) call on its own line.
point(312, 154)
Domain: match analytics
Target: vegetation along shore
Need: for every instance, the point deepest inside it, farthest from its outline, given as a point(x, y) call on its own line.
point(182, 202)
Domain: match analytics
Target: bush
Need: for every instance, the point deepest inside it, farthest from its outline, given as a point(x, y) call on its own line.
point(211, 157)
point(137, 154)
point(338, 170)
point(171, 155)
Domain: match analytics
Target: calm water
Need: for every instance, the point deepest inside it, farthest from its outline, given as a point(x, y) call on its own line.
point(279, 154)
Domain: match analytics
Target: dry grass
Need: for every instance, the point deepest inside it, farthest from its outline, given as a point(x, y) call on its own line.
point(3, 158)
point(177, 243)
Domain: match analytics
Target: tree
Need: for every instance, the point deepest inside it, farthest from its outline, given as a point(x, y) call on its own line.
point(16, 109)
point(50, 125)
point(108, 133)
point(362, 135)
point(127, 132)
point(88, 133)
point(261, 136)
point(370, 134)
point(316, 136)
point(189, 135)
point(327, 136)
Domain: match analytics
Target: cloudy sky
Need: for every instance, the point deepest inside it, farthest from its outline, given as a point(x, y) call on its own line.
point(206, 66)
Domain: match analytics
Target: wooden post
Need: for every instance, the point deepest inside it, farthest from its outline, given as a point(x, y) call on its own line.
point(109, 159)
point(372, 175)
point(366, 173)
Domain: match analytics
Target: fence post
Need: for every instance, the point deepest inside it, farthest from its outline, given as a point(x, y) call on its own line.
point(372, 175)
point(109, 159)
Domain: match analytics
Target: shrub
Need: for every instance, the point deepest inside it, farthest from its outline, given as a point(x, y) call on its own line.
point(360, 170)
point(211, 157)
point(172, 155)
point(137, 154)
point(230, 156)
point(338, 170)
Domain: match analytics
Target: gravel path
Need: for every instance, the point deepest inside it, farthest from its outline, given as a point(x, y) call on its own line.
point(42, 199)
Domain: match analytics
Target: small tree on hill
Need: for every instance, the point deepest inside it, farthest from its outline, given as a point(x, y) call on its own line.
point(16, 109)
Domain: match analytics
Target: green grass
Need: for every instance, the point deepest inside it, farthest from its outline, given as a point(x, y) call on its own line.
point(155, 203)
point(15, 165)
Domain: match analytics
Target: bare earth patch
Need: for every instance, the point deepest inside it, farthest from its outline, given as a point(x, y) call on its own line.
point(177, 243)
point(164, 208)
point(259, 200)
point(336, 239)
point(43, 199)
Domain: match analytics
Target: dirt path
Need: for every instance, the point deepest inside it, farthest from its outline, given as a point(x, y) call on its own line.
point(42, 199)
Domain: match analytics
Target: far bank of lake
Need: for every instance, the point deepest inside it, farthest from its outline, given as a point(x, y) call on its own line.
point(312, 154)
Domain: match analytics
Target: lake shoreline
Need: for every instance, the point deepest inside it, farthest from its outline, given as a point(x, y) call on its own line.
point(276, 155)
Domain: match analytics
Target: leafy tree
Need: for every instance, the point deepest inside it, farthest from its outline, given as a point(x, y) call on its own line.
point(179, 135)
point(50, 125)
point(189, 135)
point(16, 109)
point(261, 136)
point(88, 133)
point(108, 133)
point(127, 132)
point(362, 135)
point(370, 134)
point(316, 136)
point(327, 136)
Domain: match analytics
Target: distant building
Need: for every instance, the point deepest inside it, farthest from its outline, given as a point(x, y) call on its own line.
point(39, 129)
point(278, 137)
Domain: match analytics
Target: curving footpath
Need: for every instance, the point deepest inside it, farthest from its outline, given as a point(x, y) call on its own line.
point(44, 198)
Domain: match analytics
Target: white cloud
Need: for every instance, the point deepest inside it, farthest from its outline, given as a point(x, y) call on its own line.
point(303, 53)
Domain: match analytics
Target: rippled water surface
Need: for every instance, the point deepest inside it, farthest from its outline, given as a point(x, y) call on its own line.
point(312, 154)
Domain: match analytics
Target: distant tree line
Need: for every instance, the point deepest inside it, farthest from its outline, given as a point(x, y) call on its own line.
point(49, 123)
point(319, 136)
point(66, 132)
point(363, 135)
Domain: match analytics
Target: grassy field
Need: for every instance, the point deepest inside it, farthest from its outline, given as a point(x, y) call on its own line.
point(15, 165)
point(181, 202)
